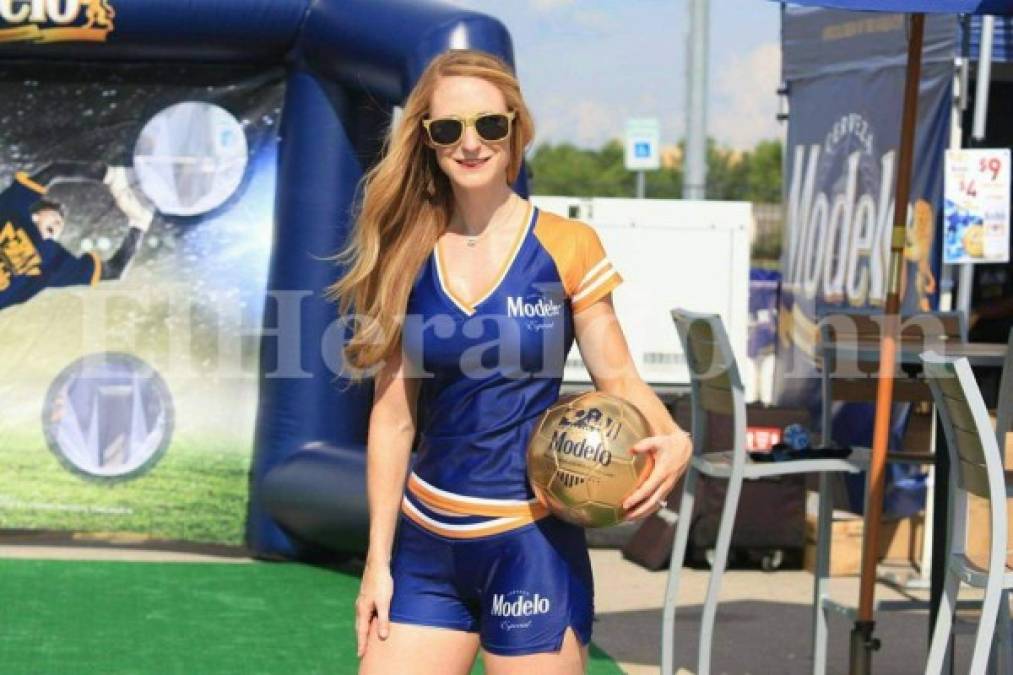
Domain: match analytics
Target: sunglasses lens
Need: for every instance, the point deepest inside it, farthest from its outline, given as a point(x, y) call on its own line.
point(445, 131)
point(493, 127)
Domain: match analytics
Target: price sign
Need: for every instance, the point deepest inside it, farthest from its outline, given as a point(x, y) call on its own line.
point(976, 206)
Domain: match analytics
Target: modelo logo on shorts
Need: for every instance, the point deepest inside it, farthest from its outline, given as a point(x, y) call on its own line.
point(543, 308)
point(522, 605)
point(580, 449)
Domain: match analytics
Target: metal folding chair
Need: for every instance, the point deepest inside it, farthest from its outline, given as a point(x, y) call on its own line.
point(717, 396)
point(977, 468)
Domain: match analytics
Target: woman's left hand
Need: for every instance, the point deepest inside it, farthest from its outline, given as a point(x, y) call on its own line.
point(671, 454)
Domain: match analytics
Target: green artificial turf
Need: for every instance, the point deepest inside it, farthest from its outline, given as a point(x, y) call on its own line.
point(110, 618)
point(196, 492)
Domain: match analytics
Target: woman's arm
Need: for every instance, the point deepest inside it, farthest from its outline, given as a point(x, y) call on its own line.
point(389, 443)
point(607, 357)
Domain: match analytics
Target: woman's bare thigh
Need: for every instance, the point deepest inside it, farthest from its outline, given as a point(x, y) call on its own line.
point(418, 649)
point(571, 659)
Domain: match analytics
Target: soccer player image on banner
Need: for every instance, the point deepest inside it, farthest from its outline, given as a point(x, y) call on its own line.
point(469, 298)
point(31, 256)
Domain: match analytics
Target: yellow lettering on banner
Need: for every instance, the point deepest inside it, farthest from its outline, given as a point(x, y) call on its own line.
point(94, 18)
point(22, 34)
point(69, 34)
point(850, 29)
point(100, 13)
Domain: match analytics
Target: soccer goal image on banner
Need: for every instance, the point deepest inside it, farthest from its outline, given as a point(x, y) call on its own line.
point(136, 208)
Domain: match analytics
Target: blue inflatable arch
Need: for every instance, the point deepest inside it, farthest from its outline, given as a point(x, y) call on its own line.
point(348, 63)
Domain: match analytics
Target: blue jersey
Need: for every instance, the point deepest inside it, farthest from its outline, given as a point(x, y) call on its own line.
point(489, 369)
point(29, 263)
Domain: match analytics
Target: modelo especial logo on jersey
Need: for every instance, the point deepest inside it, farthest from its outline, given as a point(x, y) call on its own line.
point(539, 311)
point(43, 21)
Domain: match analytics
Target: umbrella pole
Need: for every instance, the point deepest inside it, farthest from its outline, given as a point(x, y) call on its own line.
point(862, 641)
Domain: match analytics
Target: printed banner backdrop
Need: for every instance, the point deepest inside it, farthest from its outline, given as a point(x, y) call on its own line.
point(845, 73)
point(136, 210)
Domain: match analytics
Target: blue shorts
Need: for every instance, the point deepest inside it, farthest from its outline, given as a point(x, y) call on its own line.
point(518, 589)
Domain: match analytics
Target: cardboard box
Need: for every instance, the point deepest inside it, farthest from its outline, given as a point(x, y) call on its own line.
point(900, 539)
point(845, 544)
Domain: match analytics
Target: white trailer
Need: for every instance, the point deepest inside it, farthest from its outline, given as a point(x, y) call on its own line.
point(670, 253)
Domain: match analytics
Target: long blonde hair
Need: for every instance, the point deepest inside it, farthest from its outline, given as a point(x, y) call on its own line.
point(406, 205)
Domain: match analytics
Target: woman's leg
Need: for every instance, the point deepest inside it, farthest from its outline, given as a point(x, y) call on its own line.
point(432, 630)
point(571, 659)
point(424, 650)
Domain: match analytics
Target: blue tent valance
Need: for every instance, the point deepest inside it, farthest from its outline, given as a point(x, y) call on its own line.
point(998, 7)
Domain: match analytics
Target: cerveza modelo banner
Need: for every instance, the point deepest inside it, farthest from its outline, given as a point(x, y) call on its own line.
point(845, 72)
point(136, 206)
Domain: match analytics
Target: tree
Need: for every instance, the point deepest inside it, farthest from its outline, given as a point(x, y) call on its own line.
point(564, 169)
point(765, 164)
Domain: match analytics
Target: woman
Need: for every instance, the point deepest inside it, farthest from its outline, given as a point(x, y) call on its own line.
point(467, 299)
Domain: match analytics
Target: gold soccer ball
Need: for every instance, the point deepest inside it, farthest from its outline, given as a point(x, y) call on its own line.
point(579, 459)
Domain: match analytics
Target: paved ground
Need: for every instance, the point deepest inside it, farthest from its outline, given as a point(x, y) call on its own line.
point(763, 622)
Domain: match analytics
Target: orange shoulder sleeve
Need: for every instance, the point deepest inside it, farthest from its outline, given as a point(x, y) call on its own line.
point(587, 273)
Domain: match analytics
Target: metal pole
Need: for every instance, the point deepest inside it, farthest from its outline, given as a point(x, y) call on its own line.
point(862, 641)
point(945, 305)
point(984, 77)
point(694, 180)
point(960, 86)
point(981, 90)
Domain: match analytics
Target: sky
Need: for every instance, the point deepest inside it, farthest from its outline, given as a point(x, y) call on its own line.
point(585, 66)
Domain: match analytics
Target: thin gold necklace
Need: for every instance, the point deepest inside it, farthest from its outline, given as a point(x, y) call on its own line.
point(471, 240)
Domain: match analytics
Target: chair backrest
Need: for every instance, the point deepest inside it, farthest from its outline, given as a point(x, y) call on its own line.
point(971, 442)
point(714, 376)
point(1004, 412)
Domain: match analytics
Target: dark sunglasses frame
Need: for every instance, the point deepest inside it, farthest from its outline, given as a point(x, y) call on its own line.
point(465, 122)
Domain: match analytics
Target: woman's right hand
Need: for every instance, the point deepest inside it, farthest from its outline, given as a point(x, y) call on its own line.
point(375, 592)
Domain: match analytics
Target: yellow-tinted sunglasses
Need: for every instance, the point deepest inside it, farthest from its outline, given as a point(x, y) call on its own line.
point(448, 131)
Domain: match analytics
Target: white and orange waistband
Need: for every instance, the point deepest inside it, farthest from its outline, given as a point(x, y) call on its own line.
point(504, 514)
